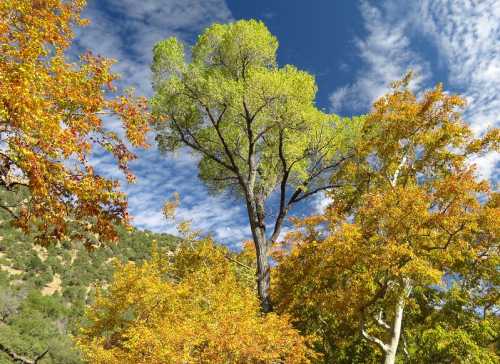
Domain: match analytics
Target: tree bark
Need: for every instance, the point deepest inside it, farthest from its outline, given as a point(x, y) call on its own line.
point(255, 209)
point(263, 273)
point(22, 359)
point(392, 347)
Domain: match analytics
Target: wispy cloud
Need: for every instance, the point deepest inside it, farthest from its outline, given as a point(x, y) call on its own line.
point(127, 30)
point(467, 35)
point(464, 35)
point(386, 55)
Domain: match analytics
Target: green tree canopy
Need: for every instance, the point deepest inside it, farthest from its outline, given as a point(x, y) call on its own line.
point(254, 124)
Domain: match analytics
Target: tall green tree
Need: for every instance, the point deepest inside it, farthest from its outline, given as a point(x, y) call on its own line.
point(254, 124)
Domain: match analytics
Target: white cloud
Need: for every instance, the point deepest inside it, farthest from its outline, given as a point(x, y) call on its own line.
point(321, 202)
point(127, 30)
point(465, 35)
point(386, 55)
point(158, 177)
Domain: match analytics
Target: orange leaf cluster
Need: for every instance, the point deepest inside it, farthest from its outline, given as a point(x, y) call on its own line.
point(51, 115)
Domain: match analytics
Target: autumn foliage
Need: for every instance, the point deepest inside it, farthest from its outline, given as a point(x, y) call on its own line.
point(51, 115)
point(401, 267)
point(410, 219)
point(190, 310)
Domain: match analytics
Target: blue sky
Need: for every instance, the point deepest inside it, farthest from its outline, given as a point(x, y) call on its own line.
point(354, 49)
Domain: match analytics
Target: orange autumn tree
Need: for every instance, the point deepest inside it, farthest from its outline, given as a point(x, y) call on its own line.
point(51, 115)
point(411, 216)
point(193, 309)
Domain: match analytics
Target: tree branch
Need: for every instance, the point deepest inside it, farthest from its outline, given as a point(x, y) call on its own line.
point(296, 195)
point(197, 146)
point(398, 170)
point(372, 338)
point(378, 319)
point(239, 263)
point(284, 180)
point(215, 124)
point(310, 193)
point(22, 359)
point(7, 208)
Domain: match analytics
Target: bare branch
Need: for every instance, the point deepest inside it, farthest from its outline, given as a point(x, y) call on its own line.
point(373, 339)
point(239, 263)
point(22, 359)
point(284, 180)
point(301, 189)
point(310, 193)
point(7, 208)
point(229, 154)
point(378, 319)
point(197, 146)
point(398, 170)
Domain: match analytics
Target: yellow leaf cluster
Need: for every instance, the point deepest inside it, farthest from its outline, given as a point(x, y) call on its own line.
point(191, 310)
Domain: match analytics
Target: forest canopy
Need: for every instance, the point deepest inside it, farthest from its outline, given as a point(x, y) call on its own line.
point(400, 267)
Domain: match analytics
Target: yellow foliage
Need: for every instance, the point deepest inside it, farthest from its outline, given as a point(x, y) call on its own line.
point(191, 310)
point(409, 210)
point(50, 117)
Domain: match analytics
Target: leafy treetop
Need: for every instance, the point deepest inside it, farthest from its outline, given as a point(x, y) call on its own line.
point(254, 124)
point(191, 310)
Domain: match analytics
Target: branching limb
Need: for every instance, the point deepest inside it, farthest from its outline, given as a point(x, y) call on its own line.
point(8, 209)
point(378, 319)
point(398, 171)
point(22, 359)
point(283, 208)
point(239, 263)
point(373, 339)
point(197, 146)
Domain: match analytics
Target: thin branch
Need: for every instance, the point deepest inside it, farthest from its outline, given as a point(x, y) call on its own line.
point(239, 263)
point(378, 319)
point(398, 170)
point(310, 193)
point(215, 124)
point(295, 196)
point(372, 338)
point(7, 208)
point(22, 359)
point(282, 208)
point(197, 146)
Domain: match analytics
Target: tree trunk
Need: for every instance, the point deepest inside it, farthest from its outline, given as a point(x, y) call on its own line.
point(263, 273)
point(392, 347)
point(258, 227)
point(262, 256)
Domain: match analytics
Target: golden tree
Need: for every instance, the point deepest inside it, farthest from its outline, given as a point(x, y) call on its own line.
point(412, 214)
point(191, 310)
point(51, 115)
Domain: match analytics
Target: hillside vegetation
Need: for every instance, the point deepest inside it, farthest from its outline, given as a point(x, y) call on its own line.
point(44, 291)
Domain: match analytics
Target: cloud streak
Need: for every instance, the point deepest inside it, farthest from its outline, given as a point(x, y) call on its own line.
point(386, 54)
point(463, 33)
point(127, 30)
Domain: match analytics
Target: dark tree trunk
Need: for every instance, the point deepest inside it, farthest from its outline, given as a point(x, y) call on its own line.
point(263, 271)
point(256, 218)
